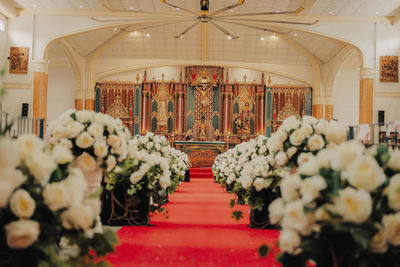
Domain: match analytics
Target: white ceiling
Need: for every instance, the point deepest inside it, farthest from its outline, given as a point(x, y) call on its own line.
point(321, 7)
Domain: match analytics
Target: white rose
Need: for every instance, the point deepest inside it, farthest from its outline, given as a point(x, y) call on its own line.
point(157, 147)
point(321, 213)
point(6, 188)
point(84, 140)
point(307, 129)
point(65, 143)
point(55, 196)
point(22, 204)
point(316, 142)
point(58, 132)
point(9, 157)
point(391, 226)
point(335, 133)
point(165, 180)
point(393, 192)
point(309, 168)
point(297, 137)
point(276, 209)
point(304, 157)
point(259, 184)
point(84, 115)
point(295, 218)
point(86, 162)
point(245, 181)
point(290, 187)
point(324, 158)
point(78, 217)
point(289, 241)
point(311, 187)
point(76, 185)
point(291, 151)
point(379, 243)
point(66, 118)
point(28, 145)
point(61, 154)
point(149, 145)
point(111, 162)
point(365, 173)
point(309, 119)
point(73, 129)
point(273, 144)
point(100, 149)
point(100, 118)
point(394, 160)
point(290, 123)
point(262, 150)
point(354, 205)
point(322, 126)
point(41, 166)
point(114, 141)
point(346, 154)
point(96, 130)
point(281, 158)
point(22, 233)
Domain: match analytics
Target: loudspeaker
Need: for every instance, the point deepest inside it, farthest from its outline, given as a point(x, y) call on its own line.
point(381, 116)
point(24, 112)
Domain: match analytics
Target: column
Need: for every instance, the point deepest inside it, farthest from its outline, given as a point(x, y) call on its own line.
point(89, 100)
point(318, 108)
point(328, 109)
point(367, 76)
point(40, 84)
point(79, 99)
point(226, 114)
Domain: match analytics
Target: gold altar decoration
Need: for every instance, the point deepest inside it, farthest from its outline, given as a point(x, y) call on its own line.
point(246, 102)
point(162, 98)
point(117, 109)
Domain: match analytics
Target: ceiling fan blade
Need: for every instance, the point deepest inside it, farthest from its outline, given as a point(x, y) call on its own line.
point(188, 29)
point(239, 3)
point(264, 13)
point(253, 27)
point(279, 21)
point(227, 33)
point(126, 29)
point(178, 7)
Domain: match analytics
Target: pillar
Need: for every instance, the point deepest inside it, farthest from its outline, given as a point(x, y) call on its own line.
point(40, 84)
point(367, 76)
point(90, 98)
point(318, 111)
point(79, 99)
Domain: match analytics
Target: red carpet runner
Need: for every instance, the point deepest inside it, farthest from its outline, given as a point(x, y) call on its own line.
point(199, 231)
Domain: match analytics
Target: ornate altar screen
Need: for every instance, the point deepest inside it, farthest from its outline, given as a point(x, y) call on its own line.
point(202, 106)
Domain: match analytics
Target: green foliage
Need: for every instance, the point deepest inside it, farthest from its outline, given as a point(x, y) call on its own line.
point(237, 215)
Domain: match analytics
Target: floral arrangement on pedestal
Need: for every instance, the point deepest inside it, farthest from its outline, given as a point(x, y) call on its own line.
point(179, 163)
point(341, 208)
point(298, 139)
point(96, 140)
point(43, 207)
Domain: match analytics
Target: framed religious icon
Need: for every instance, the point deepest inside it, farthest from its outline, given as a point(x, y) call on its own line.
point(19, 57)
point(389, 68)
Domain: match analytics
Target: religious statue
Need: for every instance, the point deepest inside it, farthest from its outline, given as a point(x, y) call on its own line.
point(202, 131)
point(162, 113)
point(243, 121)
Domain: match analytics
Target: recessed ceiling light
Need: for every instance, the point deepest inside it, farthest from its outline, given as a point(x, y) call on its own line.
point(229, 37)
point(330, 12)
point(230, 10)
point(148, 35)
point(49, 61)
point(116, 29)
point(377, 12)
point(177, 8)
point(275, 36)
point(277, 11)
point(34, 5)
point(295, 33)
point(181, 36)
point(262, 38)
point(81, 6)
point(131, 8)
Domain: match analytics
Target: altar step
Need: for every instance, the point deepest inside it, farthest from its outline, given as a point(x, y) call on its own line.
point(197, 172)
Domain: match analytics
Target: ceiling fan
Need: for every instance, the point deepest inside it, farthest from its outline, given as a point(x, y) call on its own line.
point(219, 16)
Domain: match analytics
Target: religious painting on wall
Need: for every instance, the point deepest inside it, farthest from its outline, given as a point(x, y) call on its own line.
point(19, 57)
point(243, 110)
point(389, 68)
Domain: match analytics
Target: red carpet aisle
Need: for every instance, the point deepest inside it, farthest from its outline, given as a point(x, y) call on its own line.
point(198, 232)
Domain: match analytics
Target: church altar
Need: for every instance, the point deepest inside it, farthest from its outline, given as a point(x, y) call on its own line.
point(201, 153)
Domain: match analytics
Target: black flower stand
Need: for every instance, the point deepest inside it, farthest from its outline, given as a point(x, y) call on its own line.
point(259, 219)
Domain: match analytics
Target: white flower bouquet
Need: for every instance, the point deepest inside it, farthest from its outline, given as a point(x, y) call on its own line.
point(42, 201)
point(179, 164)
point(341, 208)
point(298, 139)
point(96, 140)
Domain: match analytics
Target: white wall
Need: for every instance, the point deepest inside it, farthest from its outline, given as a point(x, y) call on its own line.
point(12, 102)
point(60, 94)
point(346, 96)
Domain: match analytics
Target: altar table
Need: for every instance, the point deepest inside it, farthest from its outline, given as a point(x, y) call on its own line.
point(201, 153)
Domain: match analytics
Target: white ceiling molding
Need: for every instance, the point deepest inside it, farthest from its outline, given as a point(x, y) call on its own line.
point(8, 9)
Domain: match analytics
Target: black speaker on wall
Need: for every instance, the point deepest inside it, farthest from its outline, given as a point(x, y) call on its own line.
point(25, 107)
point(381, 116)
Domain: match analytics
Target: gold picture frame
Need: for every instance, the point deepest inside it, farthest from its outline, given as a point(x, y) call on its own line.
point(389, 68)
point(19, 58)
